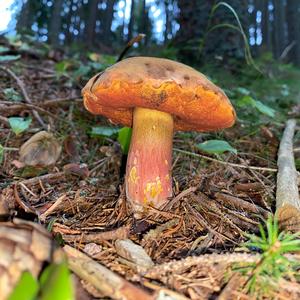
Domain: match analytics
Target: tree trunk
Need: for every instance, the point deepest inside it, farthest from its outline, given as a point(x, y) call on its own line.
point(24, 20)
point(266, 26)
point(131, 21)
point(143, 21)
point(108, 18)
point(167, 22)
point(55, 23)
point(91, 22)
point(194, 38)
point(279, 36)
point(293, 24)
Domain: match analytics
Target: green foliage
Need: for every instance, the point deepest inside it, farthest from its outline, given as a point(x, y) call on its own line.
point(249, 101)
point(7, 58)
point(78, 69)
point(12, 95)
point(216, 147)
point(273, 265)
point(124, 137)
point(18, 124)
point(55, 283)
point(3, 49)
point(26, 289)
point(103, 131)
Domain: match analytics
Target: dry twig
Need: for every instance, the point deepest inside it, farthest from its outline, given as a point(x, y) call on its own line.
point(119, 233)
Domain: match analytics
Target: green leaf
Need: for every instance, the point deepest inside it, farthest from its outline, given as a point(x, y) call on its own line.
point(124, 137)
point(3, 49)
point(246, 101)
point(18, 125)
point(62, 67)
point(5, 58)
point(265, 109)
point(26, 288)
point(249, 101)
point(12, 95)
point(56, 283)
point(243, 91)
point(216, 147)
point(81, 71)
point(103, 131)
point(1, 153)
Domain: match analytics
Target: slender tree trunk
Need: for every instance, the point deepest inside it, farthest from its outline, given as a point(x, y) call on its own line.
point(108, 18)
point(279, 36)
point(123, 37)
point(55, 23)
point(167, 24)
point(293, 24)
point(25, 20)
point(143, 21)
point(91, 22)
point(266, 26)
point(131, 21)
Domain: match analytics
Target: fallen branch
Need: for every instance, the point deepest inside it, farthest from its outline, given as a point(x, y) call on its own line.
point(106, 281)
point(287, 194)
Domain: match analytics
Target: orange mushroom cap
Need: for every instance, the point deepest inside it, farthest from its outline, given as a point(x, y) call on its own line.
point(161, 84)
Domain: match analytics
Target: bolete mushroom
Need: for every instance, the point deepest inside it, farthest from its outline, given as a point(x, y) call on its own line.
point(155, 96)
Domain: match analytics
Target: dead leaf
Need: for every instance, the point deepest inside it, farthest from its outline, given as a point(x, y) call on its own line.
point(80, 170)
point(71, 148)
point(42, 150)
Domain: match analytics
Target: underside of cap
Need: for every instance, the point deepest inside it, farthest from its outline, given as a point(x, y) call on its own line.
point(161, 84)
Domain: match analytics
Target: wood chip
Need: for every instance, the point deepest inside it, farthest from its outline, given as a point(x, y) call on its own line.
point(134, 253)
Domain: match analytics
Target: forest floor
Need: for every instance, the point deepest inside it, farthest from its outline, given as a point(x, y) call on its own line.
point(80, 198)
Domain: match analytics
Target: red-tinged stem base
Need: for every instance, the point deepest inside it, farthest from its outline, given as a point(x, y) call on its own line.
point(148, 177)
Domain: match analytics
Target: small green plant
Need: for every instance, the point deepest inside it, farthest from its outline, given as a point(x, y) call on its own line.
point(18, 124)
point(216, 147)
point(239, 28)
point(274, 264)
point(123, 135)
point(54, 283)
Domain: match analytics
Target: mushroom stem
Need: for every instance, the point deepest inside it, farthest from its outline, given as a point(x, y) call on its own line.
point(148, 178)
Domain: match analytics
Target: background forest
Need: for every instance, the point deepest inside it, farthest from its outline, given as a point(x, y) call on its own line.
point(105, 25)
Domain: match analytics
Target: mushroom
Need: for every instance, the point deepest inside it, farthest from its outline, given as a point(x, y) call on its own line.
point(155, 96)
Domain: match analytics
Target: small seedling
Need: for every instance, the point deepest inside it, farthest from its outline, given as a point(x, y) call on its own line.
point(274, 263)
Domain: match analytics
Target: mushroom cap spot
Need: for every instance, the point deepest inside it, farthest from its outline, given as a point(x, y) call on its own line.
point(160, 84)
